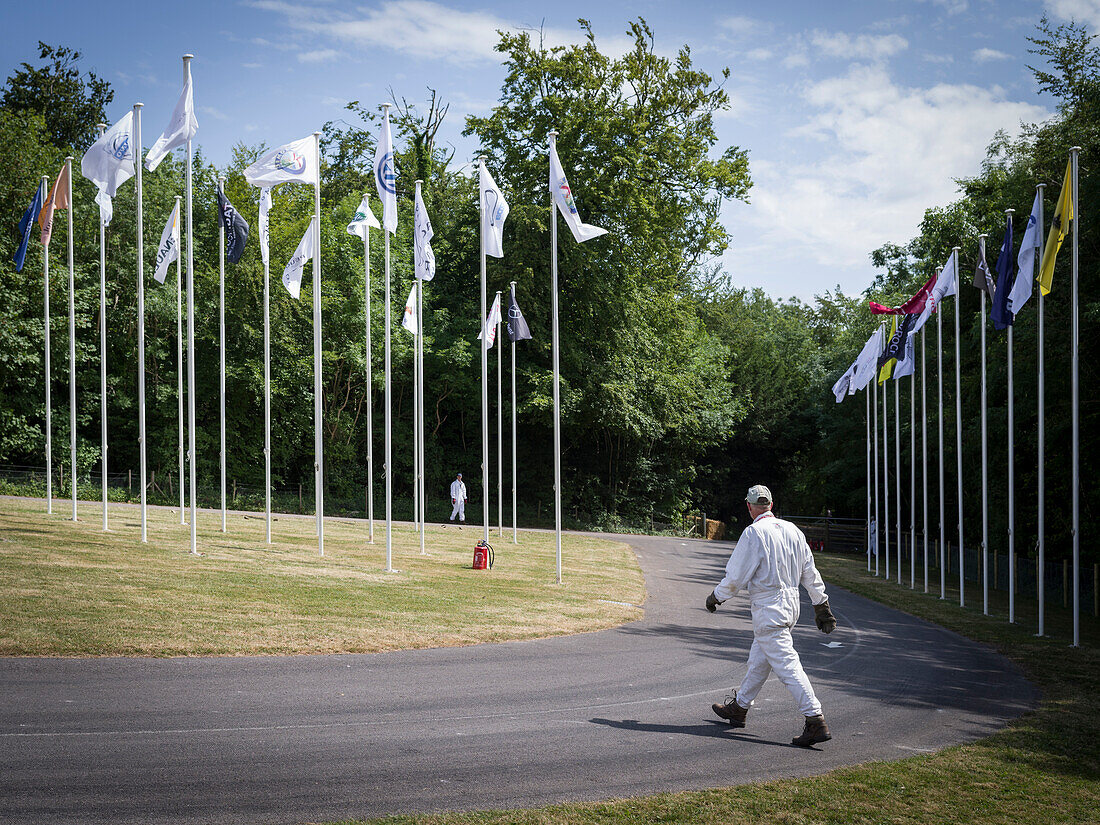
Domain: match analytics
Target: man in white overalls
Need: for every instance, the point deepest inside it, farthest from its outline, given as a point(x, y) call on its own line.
point(458, 498)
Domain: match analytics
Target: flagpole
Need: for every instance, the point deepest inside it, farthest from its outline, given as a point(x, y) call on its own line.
point(370, 384)
point(1011, 481)
point(1041, 546)
point(874, 430)
point(388, 465)
point(221, 339)
point(924, 450)
point(72, 333)
point(138, 151)
point(193, 453)
point(418, 401)
point(867, 439)
point(46, 328)
point(267, 390)
point(500, 430)
point(484, 378)
point(939, 376)
point(179, 361)
point(1076, 399)
point(958, 429)
point(897, 467)
point(886, 477)
point(985, 455)
point(557, 390)
point(913, 478)
point(319, 435)
point(103, 351)
point(420, 423)
point(515, 534)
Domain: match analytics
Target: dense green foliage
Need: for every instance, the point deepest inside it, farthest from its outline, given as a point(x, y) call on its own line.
point(677, 390)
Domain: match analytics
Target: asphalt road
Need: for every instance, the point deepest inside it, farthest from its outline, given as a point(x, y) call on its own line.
point(617, 713)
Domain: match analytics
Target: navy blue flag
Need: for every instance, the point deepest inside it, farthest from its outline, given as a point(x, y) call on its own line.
point(236, 229)
point(895, 348)
point(1002, 316)
point(517, 326)
point(25, 227)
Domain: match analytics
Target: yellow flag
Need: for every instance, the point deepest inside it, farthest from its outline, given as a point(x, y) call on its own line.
point(887, 369)
point(1059, 227)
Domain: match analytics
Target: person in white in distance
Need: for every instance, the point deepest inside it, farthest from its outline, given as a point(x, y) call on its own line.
point(458, 499)
point(771, 560)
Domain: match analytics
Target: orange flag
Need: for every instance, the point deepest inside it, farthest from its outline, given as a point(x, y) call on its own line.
point(58, 199)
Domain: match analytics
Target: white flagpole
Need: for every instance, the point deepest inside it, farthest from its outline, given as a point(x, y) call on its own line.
point(267, 396)
point(985, 458)
point(557, 390)
point(420, 424)
point(886, 478)
point(515, 533)
point(103, 352)
point(1076, 399)
point(192, 452)
point(913, 478)
point(874, 430)
point(939, 376)
point(1041, 571)
point(138, 151)
point(959, 429)
point(897, 468)
point(46, 321)
point(318, 432)
point(388, 465)
point(500, 430)
point(72, 333)
point(867, 439)
point(221, 340)
point(484, 378)
point(1011, 481)
point(370, 386)
point(924, 451)
point(179, 362)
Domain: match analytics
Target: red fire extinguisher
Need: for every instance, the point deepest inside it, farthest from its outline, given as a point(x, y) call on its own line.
point(483, 556)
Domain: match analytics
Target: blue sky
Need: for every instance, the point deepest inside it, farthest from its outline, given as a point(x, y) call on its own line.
point(856, 115)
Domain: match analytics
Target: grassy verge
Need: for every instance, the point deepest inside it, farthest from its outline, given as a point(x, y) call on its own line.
point(1043, 769)
point(69, 589)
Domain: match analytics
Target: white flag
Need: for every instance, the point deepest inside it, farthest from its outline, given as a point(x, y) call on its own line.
point(363, 220)
point(294, 162)
point(292, 275)
point(169, 249)
point(491, 323)
point(424, 257)
point(942, 288)
point(265, 207)
point(385, 176)
point(109, 162)
point(181, 127)
point(867, 363)
point(494, 210)
point(1025, 274)
point(409, 321)
point(563, 197)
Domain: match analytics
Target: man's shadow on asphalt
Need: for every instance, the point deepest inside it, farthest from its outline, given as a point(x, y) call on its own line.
point(711, 729)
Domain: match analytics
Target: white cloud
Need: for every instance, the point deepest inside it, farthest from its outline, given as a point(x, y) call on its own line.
point(860, 46)
point(318, 56)
point(986, 55)
point(214, 113)
point(1083, 11)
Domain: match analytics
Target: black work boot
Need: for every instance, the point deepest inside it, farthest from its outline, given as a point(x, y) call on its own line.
point(815, 731)
point(731, 712)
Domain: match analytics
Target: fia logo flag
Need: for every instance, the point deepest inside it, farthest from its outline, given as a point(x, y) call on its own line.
point(292, 274)
point(236, 229)
point(169, 249)
point(494, 211)
point(517, 325)
point(293, 162)
point(109, 162)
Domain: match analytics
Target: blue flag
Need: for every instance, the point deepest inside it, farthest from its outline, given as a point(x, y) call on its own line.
point(25, 226)
point(1002, 316)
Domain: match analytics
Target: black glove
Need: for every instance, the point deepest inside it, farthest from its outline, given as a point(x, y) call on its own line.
point(712, 602)
point(826, 621)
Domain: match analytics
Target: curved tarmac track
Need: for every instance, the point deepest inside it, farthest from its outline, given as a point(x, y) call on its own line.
point(616, 713)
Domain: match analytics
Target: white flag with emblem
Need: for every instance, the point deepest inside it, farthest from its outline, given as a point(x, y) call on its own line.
point(422, 242)
point(1025, 273)
point(385, 176)
point(563, 197)
point(181, 128)
point(364, 219)
point(293, 162)
point(494, 211)
point(492, 322)
point(292, 275)
point(409, 321)
point(169, 248)
point(109, 162)
point(265, 237)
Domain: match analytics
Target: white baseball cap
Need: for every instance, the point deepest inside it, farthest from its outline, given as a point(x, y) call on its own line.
point(759, 494)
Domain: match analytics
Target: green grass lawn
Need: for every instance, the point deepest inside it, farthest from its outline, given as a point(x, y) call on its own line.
point(69, 589)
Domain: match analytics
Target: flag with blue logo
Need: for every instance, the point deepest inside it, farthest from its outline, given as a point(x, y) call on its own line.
point(236, 229)
point(1025, 261)
point(180, 129)
point(109, 162)
point(26, 224)
point(385, 176)
point(293, 162)
point(1002, 315)
point(494, 211)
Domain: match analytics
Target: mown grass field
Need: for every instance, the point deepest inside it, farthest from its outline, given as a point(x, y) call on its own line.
point(69, 589)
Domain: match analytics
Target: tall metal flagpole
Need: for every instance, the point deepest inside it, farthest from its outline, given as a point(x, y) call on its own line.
point(420, 424)
point(484, 379)
point(985, 457)
point(370, 384)
point(1076, 399)
point(267, 389)
point(179, 365)
point(897, 468)
point(886, 478)
point(913, 478)
point(1011, 481)
point(1041, 546)
point(221, 340)
point(924, 451)
point(192, 452)
point(557, 390)
point(138, 152)
point(319, 435)
point(515, 472)
point(959, 430)
point(416, 400)
point(387, 467)
point(72, 333)
point(874, 431)
point(939, 376)
point(867, 416)
point(46, 328)
point(103, 352)
point(500, 430)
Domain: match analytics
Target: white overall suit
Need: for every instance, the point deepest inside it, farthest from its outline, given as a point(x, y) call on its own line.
point(458, 498)
point(771, 559)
